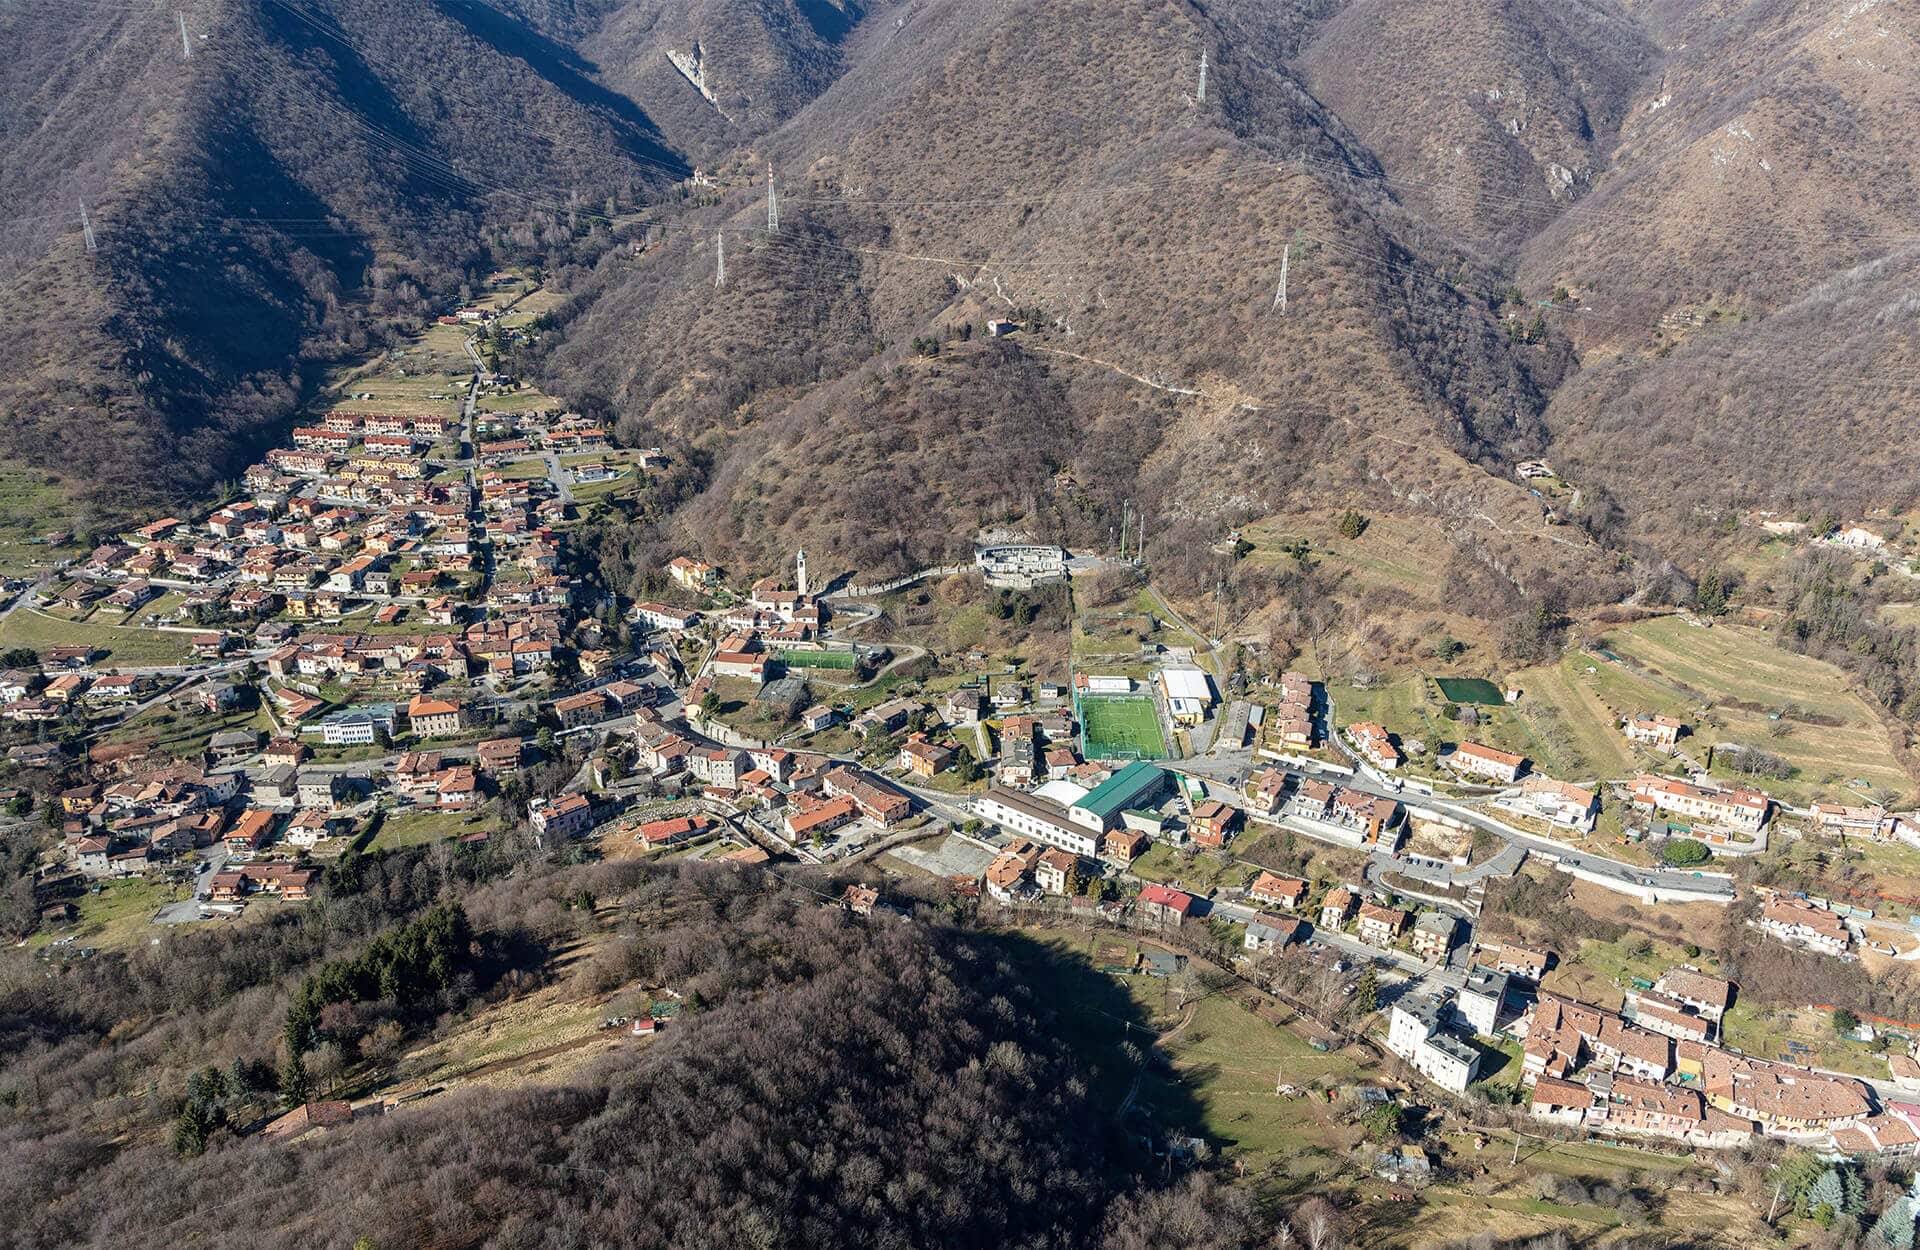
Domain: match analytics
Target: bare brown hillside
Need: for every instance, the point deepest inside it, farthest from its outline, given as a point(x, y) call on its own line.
point(1745, 312)
point(1136, 234)
point(1633, 237)
point(1489, 117)
point(1768, 151)
point(718, 73)
point(1809, 409)
point(309, 174)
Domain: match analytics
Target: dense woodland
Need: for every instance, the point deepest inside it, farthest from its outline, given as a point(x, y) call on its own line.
point(830, 1082)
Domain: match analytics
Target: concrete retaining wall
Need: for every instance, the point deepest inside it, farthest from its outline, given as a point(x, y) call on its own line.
point(1645, 893)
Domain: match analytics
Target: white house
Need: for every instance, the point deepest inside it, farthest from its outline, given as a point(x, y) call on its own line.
point(1558, 803)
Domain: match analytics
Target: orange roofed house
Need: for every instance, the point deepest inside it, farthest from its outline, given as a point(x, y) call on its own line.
point(1212, 821)
point(568, 816)
point(1374, 745)
point(1660, 733)
point(1792, 920)
point(674, 830)
point(923, 758)
point(693, 574)
point(879, 803)
point(1740, 808)
point(1783, 1099)
point(810, 817)
point(1270, 889)
point(1336, 908)
point(1379, 926)
point(434, 718)
point(1471, 759)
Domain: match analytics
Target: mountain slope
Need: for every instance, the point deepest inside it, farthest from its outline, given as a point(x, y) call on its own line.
point(1673, 174)
point(1135, 231)
point(1765, 154)
point(1744, 312)
point(1734, 417)
point(719, 73)
point(1489, 116)
point(310, 170)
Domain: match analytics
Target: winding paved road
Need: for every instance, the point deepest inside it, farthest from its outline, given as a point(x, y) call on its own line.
point(1632, 876)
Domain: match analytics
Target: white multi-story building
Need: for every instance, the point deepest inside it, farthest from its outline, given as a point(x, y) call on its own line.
point(355, 727)
point(661, 616)
point(1414, 1032)
point(1557, 803)
point(1034, 817)
point(1482, 999)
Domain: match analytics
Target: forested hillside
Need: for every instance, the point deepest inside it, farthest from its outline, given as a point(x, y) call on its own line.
point(759, 62)
point(1808, 409)
point(311, 172)
point(1476, 204)
point(830, 1082)
point(1489, 118)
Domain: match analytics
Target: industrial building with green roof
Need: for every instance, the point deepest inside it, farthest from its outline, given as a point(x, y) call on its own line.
point(1100, 810)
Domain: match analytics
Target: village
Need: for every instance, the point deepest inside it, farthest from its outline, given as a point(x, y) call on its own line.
point(383, 639)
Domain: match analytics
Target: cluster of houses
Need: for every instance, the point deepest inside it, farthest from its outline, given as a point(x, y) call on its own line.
point(1655, 1067)
point(503, 437)
point(67, 684)
point(1730, 817)
point(1334, 813)
point(140, 813)
point(1431, 1033)
point(351, 517)
point(1430, 935)
point(1064, 831)
point(355, 517)
point(1287, 726)
point(1530, 794)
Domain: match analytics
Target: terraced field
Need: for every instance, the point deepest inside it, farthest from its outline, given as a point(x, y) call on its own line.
point(31, 506)
point(1738, 678)
point(1579, 712)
